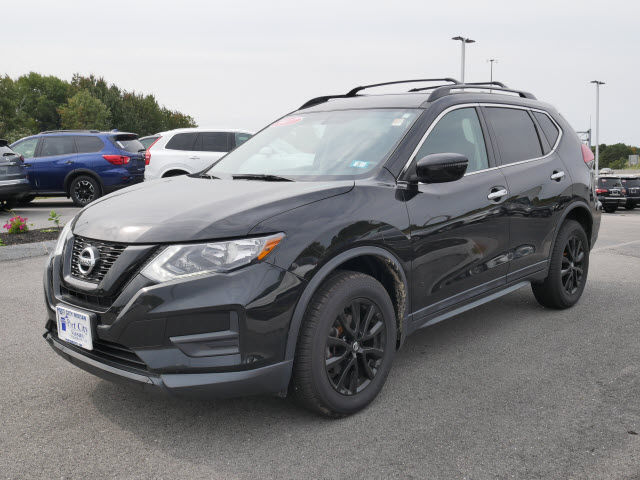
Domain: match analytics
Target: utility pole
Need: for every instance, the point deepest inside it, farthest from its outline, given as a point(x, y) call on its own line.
point(598, 83)
point(492, 61)
point(463, 42)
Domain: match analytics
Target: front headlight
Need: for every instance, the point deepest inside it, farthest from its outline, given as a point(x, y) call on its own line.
point(62, 238)
point(178, 261)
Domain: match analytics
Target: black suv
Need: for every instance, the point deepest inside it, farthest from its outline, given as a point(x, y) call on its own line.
point(301, 261)
point(611, 194)
point(14, 183)
point(632, 186)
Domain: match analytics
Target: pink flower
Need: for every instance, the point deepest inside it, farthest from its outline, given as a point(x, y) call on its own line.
point(21, 227)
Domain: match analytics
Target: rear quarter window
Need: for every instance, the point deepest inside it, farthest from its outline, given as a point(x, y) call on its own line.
point(549, 128)
point(89, 144)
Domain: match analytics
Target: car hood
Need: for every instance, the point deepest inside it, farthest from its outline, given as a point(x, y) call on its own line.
point(188, 209)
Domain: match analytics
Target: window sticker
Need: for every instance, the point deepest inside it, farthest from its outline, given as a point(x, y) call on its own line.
point(397, 122)
point(286, 121)
point(359, 164)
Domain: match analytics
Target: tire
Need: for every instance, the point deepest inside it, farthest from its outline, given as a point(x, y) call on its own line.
point(8, 205)
point(26, 199)
point(629, 207)
point(562, 289)
point(610, 209)
point(84, 190)
point(336, 388)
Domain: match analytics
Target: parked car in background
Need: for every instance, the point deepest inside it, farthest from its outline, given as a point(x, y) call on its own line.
point(632, 185)
point(606, 171)
point(301, 261)
point(611, 193)
point(81, 164)
point(149, 140)
point(14, 183)
point(189, 150)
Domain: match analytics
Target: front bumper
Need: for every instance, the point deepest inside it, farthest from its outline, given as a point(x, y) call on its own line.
point(215, 335)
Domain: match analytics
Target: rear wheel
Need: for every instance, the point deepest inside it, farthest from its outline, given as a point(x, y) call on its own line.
point(346, 346)
point(84, 190)
point(568, 270)
point(629, 206)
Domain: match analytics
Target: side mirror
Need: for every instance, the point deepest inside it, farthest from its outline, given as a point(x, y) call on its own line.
point(441, 167)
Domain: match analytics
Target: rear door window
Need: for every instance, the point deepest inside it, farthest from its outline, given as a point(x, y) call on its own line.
point(89, 144)
point(515, 133)
point(549, 128)
point(27, 148)
point(460, 132)
point(212, 142)
point(182, 141)
point(55, 146)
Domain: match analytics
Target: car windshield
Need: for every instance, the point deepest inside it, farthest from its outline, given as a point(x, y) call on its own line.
point(320, 146)
point(609, 182)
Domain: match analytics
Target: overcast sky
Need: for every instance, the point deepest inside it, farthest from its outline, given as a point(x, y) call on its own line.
point(242, 64)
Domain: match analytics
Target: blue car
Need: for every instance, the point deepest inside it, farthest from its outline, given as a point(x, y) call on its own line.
point(81, 164)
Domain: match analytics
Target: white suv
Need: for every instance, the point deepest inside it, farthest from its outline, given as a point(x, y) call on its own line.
point(189, 150)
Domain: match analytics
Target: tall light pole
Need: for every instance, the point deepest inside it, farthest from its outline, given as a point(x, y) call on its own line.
point(492, 61)
point(598, 83)
point(463, 42)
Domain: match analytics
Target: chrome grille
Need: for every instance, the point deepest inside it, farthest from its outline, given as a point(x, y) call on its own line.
point(109, 253)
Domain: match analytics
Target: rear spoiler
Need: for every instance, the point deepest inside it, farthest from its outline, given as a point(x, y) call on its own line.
point(3, 143)
point(125, 136)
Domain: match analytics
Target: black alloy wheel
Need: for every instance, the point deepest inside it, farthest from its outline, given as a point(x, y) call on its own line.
point(84, 190)
point(572, 271)
point(346, 345)
point(355, 347)
point(568, 268)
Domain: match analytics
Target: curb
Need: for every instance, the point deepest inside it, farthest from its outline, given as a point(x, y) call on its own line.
point(26, 250)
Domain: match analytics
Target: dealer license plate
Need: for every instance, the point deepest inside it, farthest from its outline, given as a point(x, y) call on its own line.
point(74, 327)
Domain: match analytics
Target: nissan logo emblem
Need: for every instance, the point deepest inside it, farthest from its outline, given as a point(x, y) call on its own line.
point(87, 260)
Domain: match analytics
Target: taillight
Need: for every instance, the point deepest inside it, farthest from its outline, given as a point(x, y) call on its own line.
point(600, 190)
point(587, 154)
point(147, 154)
point(21, 158)
point(624, 191)
point(117, 159)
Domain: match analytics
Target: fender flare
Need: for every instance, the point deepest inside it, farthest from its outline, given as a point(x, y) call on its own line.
point(322, 274)
point(571, 207)
point(81, 171)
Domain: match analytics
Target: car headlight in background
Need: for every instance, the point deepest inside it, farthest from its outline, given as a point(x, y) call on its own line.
point(178, 261)
point(62, 238)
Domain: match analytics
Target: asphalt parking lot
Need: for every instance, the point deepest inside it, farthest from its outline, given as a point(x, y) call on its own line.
point(39, 210)
point(508, 390)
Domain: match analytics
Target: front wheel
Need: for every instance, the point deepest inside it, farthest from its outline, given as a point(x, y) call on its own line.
point(346, 345)
point(84, 190)
point(568, 270)
point(610, 209)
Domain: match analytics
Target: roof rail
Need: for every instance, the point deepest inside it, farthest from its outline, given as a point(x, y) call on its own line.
point(69, 131)
point(446, 90)
point(493, 82)
point(354, 91)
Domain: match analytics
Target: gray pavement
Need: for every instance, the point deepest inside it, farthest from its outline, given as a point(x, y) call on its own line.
point(508, 390)
point(38, 211)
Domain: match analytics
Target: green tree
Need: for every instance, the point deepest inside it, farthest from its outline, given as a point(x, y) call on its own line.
point(39, 97)
point(84, 111)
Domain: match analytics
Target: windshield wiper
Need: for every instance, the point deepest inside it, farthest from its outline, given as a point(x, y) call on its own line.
point(261, 176)
point(206, 175)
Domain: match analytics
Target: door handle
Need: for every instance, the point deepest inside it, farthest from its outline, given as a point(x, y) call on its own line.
point(497, 193)
point(194, 158)
point(557, 175)
point(27, 165)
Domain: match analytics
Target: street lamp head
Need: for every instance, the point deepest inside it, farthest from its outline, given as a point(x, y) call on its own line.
point(457, 38)
point(598, 82)
point(468, 40)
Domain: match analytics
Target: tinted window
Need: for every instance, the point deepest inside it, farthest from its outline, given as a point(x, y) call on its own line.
point(27, 148)
point(128, 143)
point(458, 131)
point(516, 134)
point(240, 138)
point(609, 183)
point(631, 182)
point(212, 142)
point(548, 127)
point(57, 146)
point(182, 141)
point(89, 144)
